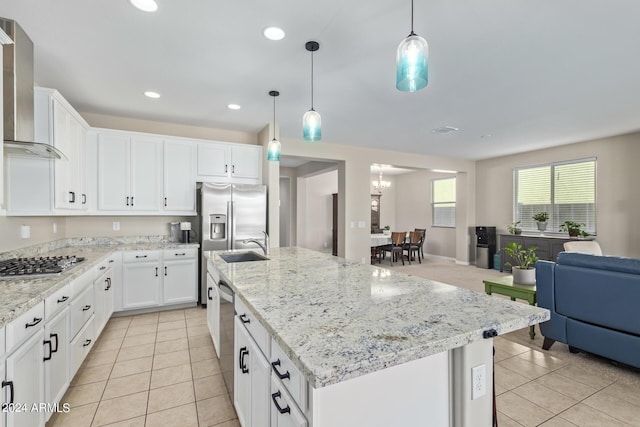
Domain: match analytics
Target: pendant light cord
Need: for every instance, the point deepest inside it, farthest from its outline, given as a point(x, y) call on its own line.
point(274, 118)
point(412, 33)
point(312, 80)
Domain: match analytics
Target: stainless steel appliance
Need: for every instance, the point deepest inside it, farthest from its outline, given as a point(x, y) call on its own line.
point(34, 267)
point(229, 216)
point(227, 314)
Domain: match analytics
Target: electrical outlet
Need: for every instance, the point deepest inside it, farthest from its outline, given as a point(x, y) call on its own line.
point(25, 231)
point(116, 225)
point(478, 381)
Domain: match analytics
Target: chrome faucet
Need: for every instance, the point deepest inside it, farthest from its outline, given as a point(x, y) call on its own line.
point(264, 246)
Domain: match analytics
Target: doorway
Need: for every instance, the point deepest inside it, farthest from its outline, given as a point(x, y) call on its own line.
point(285, 211)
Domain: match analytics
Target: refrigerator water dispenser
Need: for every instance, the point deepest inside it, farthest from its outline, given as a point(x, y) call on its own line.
point(217, 226)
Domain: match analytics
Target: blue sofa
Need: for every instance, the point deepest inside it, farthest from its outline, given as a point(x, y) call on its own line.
point(594, 303)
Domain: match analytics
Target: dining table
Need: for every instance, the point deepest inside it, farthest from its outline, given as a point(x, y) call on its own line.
point(378, 240)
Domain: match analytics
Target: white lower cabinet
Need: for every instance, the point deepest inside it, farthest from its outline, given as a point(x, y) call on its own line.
point(141, 279)
point(179, 281)
point(24, 383)
point(81, 344)
point(56, 357)
point(213, 312)
point(103, 291)
point(155, 278)
point(284, 412)
point(251, 380)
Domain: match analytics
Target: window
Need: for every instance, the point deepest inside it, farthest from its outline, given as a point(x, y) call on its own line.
point(565, 190)
point(443, 194)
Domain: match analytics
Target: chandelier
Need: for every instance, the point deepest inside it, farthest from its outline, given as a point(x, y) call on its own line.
point(380, 185)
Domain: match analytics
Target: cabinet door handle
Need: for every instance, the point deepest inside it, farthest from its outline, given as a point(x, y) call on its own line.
point(243, 352)
point(165, 271)
point(209, 293)
point(103, 267)
point(84, 199)
point(244, 319)
point(141, 256)
point(10, 384)
point(280, 409)
point(86, 307)
point(156, 271)
point(226, 168)
point(47, 343)
point(63, 299)
point(127, 200)
point(182, 254)
point(86, 343)
point(36, 320)
point(131, 200)
point(108, 282)
point(72, 198)
point(55, 350)
point(233, 169)
point(165, 202)
point(110, 261)
point(286, 375)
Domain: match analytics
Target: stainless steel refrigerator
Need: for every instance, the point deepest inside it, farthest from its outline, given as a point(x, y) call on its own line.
point(229, 214)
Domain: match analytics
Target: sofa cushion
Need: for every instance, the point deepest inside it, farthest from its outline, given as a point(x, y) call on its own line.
point(610, 263)
point(598, 296)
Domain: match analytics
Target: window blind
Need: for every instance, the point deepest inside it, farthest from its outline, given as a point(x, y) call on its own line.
point(443, 204)
point(565, 190)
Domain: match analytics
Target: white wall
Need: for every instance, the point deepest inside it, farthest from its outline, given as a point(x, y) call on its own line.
point(617, 180)
point(355, 191)
point(315, 209)
point(413, 210)
point(293, 202)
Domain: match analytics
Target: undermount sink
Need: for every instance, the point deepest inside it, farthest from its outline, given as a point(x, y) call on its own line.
point(243, 257)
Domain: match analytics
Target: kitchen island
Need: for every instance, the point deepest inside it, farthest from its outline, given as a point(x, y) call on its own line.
point(376, 347)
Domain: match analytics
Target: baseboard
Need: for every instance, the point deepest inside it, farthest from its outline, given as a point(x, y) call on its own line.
point(448, 258)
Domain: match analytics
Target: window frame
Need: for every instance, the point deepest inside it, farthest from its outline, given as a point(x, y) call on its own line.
point(553, 165)
point(433, 203)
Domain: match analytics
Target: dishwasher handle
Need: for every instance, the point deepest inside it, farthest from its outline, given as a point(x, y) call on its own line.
point(226, 292)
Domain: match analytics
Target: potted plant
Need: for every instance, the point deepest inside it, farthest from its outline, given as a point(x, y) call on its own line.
point(523, 269)
point(541, 219)
point(387, 230)
point(574, 229)
point(514, 228)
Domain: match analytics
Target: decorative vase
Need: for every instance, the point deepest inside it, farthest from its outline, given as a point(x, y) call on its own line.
point(517, 231)
point(542, 225)
point(386, 232)
point(524, 276)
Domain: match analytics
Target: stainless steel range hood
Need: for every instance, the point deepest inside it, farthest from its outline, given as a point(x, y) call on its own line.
point(18, 96)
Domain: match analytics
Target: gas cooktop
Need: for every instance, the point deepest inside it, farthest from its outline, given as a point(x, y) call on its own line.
point(40, 266)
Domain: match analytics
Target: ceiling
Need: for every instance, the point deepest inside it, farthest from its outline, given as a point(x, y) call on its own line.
point(511, 75)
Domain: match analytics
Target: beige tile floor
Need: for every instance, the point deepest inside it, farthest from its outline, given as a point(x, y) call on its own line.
point(156, 369)
point(160, 369)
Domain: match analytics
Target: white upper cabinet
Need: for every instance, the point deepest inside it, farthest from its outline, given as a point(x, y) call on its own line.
point(129, 172)
point(143, 173)
point(226, 162)
point(179, 176)
point(37, 186)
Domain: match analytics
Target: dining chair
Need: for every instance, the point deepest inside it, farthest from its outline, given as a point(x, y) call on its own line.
point(396, 247)
point(424, 237)
point(413, 245)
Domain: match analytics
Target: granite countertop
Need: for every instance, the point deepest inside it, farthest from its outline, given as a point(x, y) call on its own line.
point(19, 295)
point(338, 319)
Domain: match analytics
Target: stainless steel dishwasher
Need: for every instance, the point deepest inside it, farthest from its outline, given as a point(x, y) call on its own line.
point(227, 314)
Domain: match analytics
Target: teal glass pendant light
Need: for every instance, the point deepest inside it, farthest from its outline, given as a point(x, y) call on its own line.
point(412, 62)
point(311, 121)
point(273, 150)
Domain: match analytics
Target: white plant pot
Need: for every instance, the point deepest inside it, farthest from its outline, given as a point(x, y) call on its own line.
point(386, 232)
point(542, 226)
point(524, 277)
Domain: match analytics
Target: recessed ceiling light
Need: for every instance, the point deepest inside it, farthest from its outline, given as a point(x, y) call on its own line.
point(233, 107)
point(152, 94)
point(445, 129)
point(145, 5)
point(274, 33)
